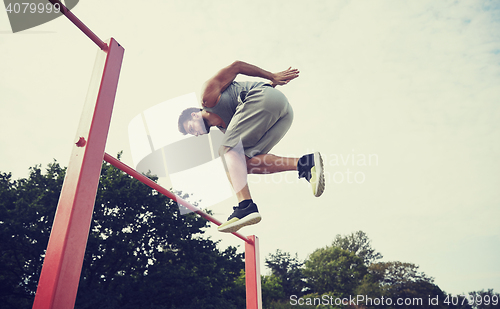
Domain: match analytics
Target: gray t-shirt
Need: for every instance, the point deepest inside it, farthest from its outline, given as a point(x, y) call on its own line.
point(230, 98)
point(257, 116)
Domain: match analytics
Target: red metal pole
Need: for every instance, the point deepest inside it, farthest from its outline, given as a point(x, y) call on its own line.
point(62, 266)
point(252, 274)
point(80, 25)
point(132, 172)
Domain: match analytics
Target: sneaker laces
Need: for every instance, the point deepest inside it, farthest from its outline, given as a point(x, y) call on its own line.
point(304, 166)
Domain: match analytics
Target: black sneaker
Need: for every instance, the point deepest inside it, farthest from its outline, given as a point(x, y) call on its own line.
point(241, 217)
point(310, 167)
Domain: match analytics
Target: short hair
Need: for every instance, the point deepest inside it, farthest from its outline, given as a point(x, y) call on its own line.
point(185, 116)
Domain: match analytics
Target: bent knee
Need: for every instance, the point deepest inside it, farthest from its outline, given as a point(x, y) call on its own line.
point(253, 165)
point(223, 150)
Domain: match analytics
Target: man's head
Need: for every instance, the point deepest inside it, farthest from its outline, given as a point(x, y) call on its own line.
point(192, 122)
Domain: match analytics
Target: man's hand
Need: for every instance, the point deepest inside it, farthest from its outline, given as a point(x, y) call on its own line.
point(282, 78)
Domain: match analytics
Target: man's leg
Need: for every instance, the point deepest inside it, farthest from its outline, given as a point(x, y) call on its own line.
point(236, 170)
point(269, 164)
point(238, 166)
point(309, 166)
point(246, 213)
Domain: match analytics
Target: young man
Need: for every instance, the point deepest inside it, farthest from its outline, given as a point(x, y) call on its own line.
point(253, 116)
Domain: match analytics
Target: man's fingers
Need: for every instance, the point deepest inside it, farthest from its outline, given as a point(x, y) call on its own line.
point(283, 77)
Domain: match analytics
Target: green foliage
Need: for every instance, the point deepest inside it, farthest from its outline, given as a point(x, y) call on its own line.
point(146, 252)
point(397, 280)
point(26, 212)
point(289, 270)
point(332, 269)
point(359, 244)
point(141, 252)
point(272, 290)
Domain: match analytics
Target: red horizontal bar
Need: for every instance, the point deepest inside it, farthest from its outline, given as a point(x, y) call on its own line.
point(80, 25)
point(132, 172)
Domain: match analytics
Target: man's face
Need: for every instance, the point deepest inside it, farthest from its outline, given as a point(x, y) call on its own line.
point(196, 125)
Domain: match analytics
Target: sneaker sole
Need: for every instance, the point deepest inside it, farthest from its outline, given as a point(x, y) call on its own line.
point(238, 224)
point(318, 185)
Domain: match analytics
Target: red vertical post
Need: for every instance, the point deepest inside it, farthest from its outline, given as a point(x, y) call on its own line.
point(252, 273)
point(62, 266)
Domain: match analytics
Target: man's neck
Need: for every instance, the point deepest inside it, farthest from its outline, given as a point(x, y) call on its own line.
point(213, 119)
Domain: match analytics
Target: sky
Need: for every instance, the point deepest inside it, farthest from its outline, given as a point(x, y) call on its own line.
point(401, 98)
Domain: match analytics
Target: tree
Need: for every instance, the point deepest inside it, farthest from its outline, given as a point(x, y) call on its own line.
point(359, 244)
point(288, 270)
point(26, 213)
point(482, 299)
point(141, 252)
point(403, 281)
point(272, 290)
point(332, 269)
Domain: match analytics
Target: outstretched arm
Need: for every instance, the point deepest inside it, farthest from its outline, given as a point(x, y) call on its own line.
point(217, 84)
